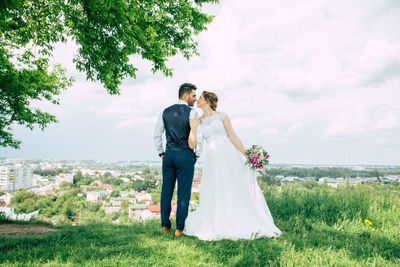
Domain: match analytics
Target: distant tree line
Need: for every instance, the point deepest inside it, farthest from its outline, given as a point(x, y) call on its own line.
point(149, 181)
point(326, 172)
point(50, 172)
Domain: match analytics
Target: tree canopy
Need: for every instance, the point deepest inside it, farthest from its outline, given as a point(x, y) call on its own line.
point(107, 33)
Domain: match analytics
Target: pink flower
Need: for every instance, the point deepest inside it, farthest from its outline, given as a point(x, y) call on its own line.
point(266, 157)
point(259, 165)
point(254, 160)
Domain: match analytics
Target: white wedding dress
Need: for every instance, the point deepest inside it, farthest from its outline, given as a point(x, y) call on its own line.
point(231, 205)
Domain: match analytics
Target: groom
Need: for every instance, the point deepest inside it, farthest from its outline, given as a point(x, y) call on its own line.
point(178, 159)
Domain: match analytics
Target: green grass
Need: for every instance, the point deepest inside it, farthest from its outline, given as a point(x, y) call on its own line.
point(320, 226)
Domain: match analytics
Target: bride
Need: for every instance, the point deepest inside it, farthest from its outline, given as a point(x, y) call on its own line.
point(231, 205)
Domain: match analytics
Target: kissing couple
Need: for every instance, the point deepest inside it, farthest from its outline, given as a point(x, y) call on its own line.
point(231, 206)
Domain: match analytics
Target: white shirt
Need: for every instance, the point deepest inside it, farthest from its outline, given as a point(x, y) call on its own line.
point(159, 130)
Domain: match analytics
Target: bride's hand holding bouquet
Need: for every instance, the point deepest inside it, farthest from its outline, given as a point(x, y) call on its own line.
point(257, 157)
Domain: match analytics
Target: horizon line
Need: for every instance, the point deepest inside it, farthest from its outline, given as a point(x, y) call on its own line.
point(159, 161)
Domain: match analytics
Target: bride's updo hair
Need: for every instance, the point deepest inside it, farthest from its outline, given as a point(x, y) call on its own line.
point(211, 98)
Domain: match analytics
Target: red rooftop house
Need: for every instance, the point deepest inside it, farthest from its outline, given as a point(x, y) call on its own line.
point(154, 208)
point(135, 210)
point(106, 186)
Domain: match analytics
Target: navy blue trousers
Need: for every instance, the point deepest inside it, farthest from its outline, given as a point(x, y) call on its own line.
point(177, 165)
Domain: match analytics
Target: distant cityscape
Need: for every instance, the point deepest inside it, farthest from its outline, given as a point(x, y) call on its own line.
point(130, 190)
point(51, 177)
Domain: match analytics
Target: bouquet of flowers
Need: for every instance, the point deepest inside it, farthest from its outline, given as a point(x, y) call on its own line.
point(257, 157)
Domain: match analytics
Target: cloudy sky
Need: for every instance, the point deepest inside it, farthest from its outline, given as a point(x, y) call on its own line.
point(314, 83)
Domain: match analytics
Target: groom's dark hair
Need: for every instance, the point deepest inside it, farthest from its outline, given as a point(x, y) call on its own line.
point(186, 88)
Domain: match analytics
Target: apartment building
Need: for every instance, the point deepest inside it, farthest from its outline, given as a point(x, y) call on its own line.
point(15, 177)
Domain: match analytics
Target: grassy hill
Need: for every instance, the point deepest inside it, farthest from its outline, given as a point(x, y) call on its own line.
point(321, 227)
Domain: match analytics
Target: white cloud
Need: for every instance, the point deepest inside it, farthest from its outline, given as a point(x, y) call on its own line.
point(294, 128)
point(137, 122)
point(269, 131)
point(345, 129)
point(377, 54)
point(387, 122)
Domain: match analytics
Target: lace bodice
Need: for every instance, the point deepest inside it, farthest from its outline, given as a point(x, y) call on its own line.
point(213, 126)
